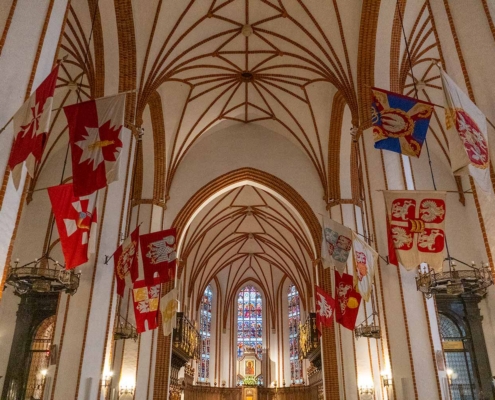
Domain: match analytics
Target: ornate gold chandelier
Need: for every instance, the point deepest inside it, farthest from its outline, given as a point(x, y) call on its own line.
point(454, 282)
point(43, 275)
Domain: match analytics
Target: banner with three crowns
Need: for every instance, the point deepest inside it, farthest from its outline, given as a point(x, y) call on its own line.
point(416, 221)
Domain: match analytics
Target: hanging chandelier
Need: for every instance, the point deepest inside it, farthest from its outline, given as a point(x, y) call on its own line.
point(454, 282)
point(368, 330)
point(43, 275)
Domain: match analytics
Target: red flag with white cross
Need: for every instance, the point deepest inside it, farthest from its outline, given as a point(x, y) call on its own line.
point(31, 126)
point(146, 300)
point(126, 261)
point(325, 307)
point(76, 223)
point(95, 130)
point(158, 252)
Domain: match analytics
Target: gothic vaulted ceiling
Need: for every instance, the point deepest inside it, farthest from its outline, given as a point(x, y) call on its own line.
point(294, 67)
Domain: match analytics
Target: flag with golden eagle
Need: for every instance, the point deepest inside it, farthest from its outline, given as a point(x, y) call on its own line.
point(416, 222)
point(467, 135)
point(399, 122)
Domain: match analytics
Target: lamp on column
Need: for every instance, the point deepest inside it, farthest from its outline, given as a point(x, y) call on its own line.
point(107, 379)
point(386, 379)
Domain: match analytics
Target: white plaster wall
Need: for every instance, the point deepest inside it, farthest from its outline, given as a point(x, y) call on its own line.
point(16, 63)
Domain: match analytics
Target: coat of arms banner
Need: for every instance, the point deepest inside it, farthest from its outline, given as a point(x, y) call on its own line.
point(416, 223)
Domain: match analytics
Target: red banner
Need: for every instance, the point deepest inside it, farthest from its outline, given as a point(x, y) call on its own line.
point(126, 262)
point(325, 307)
point(146, 304)
point(158, 252)
point(76, 223)
point(95, 129)
point(348, 301)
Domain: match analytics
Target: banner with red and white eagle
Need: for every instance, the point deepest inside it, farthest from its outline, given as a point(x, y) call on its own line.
point(95, 130)
point(365, 264)
point(416, 222)
point(158, 252)
point(126, 262)
point(76, 223)
point(467, 135)
point(325, 307)
point(31, 126)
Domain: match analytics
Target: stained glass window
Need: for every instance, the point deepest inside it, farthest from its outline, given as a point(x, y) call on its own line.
point(249, 321)
point(296, 374)
point(205, 332)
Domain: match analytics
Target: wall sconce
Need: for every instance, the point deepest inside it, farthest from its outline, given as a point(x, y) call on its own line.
point(107, 379)
point(366, 390)
point(126, 390)
point(386, 379)
point(449, 372)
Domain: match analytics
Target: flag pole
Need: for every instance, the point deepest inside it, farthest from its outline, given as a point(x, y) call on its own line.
point(416, 92)
point(7, 124)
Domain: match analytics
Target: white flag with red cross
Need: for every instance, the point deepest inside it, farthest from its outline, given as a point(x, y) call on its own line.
point(416, 223)
point(31, 126)
point(95, 130)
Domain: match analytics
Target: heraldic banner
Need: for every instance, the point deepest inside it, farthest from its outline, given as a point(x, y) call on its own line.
point(95, 130)
point(467, 135)
point(325, 306)
point(158, 252)
point(126, 262)
point(416, 222)
point(146, 301)
point(31, 125)
point(348, 301)
point(76, 223)
point(400, 123)
point(336, 244)
point(365, 264)
point(168, 308)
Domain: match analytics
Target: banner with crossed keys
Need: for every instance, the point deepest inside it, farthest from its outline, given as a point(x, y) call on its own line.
point(416, 224)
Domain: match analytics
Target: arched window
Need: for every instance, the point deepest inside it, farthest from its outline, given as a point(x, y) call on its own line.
point(249, 321)
point(296, 374)
point(458, 359)
point(40, 358)
point(205, 332)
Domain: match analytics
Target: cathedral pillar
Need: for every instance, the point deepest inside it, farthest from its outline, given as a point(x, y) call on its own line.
point(84, 326)
point(30, 33)
point(404, 317)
